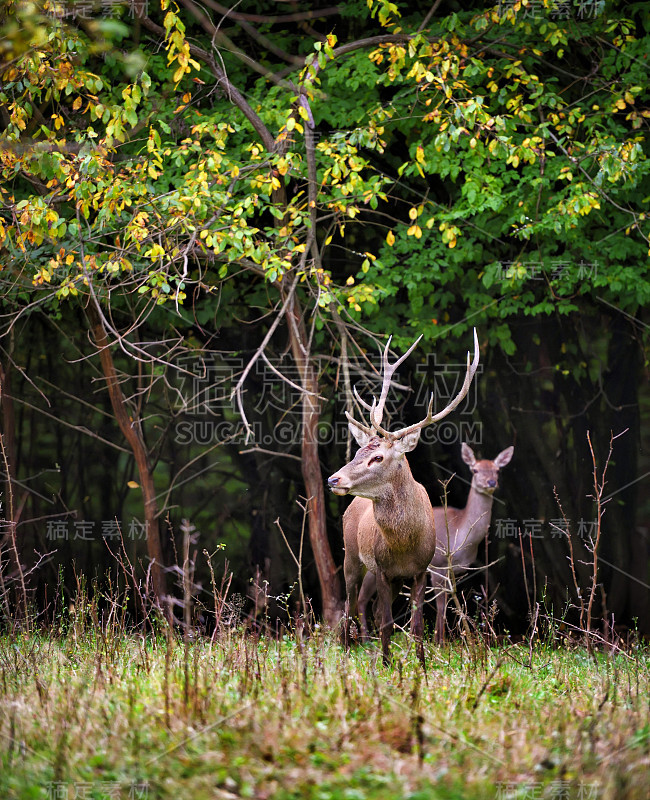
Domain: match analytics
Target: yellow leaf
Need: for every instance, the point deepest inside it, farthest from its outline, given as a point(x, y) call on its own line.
point(413, 213)
point(350, 281)
point(282, 166)
point(419, 154)
point(390, 238)
point(133, 485)
point(77, 104)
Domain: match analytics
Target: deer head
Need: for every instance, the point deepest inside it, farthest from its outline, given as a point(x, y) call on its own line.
point(485, 472)
point(380, 459)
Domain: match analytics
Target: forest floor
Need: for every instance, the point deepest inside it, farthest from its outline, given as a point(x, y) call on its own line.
point(86, 714)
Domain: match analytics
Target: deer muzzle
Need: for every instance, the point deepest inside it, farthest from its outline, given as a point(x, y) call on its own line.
point(334, 482)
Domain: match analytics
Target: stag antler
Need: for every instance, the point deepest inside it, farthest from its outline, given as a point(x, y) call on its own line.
point(377, 408)
point(431, 417)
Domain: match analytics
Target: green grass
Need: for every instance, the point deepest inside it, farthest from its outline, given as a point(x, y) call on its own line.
point(87, 714)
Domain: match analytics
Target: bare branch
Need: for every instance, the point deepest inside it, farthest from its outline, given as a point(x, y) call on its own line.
point(237, 391)
point(273, 19)
point(431, 417)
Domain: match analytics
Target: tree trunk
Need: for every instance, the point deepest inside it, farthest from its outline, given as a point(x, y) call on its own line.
point(132, 431)
point(8, 444)
point(8, 460)
point(328, 573)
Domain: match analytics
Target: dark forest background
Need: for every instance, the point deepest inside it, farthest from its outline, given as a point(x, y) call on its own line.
point(209, 211)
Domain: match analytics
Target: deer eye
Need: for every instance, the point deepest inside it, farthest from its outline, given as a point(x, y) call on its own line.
point(376, 460)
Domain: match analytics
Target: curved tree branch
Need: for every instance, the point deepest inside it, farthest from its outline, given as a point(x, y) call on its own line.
point(273, 19)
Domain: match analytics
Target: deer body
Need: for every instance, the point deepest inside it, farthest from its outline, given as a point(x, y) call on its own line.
point(393, 532)
point(459, 532)
point(388, 529)
point(391, 535)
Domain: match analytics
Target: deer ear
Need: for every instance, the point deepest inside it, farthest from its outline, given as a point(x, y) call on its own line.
point(408, 442)
point(504, 457)
point(362, 438)
point(467, 454)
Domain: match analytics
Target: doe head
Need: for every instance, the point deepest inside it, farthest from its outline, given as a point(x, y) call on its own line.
point(485, 472)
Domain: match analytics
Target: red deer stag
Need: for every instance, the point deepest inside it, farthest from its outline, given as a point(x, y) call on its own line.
point(388, 529)
point(459, 533)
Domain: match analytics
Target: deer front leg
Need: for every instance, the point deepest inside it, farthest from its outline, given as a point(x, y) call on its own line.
point(440, 585)
point(368, 589)
point(385, 600)
point(352, 573)
point(346, 623)
point(441, 615)
point(417, 613)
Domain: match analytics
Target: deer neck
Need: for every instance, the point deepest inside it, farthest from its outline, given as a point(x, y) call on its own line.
point(476, 514)
point(399, 510)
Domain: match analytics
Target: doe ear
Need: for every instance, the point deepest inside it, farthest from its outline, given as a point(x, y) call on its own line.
point(408, 442)
point(362, 438)
point(504, 457)
point(467, 454)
